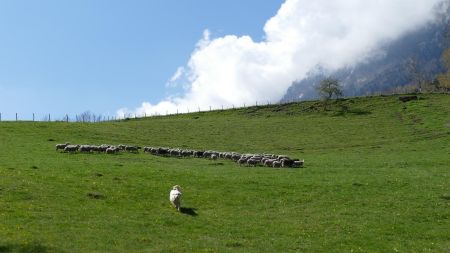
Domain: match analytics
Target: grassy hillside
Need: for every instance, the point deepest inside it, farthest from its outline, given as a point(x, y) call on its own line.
point(376, 179)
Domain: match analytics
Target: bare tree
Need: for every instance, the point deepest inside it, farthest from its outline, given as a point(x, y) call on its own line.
point(88, 116)
point(329, 88)
point(84, 117)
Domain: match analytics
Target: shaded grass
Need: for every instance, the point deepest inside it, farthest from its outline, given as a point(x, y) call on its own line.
point(376, 179)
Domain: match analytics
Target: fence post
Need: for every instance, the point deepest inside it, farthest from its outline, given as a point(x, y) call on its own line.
point(33, 117)
point(0, 116)
point(67, 118)
point(16, 116)
point(49, 118)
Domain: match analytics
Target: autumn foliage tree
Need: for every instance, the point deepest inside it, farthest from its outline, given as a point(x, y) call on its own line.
point(444, 79)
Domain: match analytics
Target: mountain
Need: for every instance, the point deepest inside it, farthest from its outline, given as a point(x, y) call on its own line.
point(418, 52)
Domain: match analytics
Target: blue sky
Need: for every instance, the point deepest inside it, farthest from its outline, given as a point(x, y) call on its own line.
point(116, 57)
point(63, 57)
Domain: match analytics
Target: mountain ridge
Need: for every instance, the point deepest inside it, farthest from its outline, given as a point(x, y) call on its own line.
point(391, 66)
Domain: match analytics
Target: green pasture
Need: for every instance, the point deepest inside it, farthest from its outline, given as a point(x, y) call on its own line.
point(376, 179)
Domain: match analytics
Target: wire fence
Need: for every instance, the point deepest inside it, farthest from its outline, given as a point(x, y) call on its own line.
point(89, 117)
point(34, 117)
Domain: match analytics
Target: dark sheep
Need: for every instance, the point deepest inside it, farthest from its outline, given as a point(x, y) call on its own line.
point(132, 149)
point(285, 162)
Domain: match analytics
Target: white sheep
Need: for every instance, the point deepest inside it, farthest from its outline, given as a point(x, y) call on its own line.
point(112, 150)
point(71, 148)
point(298, 164)
point(276, 164)
point(253, 161)
point(85, 148)
point(175, 197)
point(61, 146)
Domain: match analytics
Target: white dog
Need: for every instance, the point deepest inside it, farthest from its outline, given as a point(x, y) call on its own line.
point(175, 197)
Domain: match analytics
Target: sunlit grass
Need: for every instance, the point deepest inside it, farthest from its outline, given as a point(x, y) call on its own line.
point(376, 178)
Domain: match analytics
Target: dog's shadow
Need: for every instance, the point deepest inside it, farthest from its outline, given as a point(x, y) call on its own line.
point(189, 211)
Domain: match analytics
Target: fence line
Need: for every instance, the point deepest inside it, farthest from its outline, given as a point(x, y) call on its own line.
point(94, 118)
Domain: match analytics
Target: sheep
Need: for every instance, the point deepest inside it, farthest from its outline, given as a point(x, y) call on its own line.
point(61, 146)
point(242, 160)
point(163, 151)
point(103, 148)
point(154, 151)
point(235, 157)
point(198, 154)
point(71, 148)
point(269, 162)
point(175, 152)
point(112, 150)
point(253, 162)
point(207, 154)
point(175, 197)
point(298, 164)
point(276, 164)
point(187, 153)
point(286, 162)
point(95, 148)
point(271, 156)
point(257, 157)
point(279, 157)
point(132, 149)
point(85, 148)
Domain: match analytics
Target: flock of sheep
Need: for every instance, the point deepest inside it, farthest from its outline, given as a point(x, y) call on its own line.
point(268, 160)
point(108, 149)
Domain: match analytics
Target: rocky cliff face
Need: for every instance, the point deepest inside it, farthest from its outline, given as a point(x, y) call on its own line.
point(390, 68)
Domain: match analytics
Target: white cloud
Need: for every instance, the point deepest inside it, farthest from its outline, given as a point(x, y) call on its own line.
point(234, 70)
point(177, 75)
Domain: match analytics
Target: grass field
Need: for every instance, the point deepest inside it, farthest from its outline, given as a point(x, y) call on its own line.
point(376, 179)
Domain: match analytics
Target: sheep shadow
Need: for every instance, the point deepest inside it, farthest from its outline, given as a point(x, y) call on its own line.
point(34, 247)
point(189, 211)
point(216, 164)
